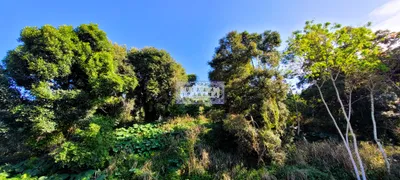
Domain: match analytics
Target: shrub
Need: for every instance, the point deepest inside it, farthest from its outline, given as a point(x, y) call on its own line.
point(179, 124)
point(375, 163)
point(178, 110)
point(302, 172)
point(32, 166)
point(139, 139)
point(125, 165)
point(264, 142)
point(90, 147)
point(330, 157)
point(327, 156)
point(216, 115)
point(241, 172)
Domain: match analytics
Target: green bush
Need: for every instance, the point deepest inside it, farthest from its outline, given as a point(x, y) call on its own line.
point(216, 115)
point(90, 147)
point(302, 172)
point(125, 165)
point(241, 172)
point(139, 139)
point(263, 142)
point(178, 110)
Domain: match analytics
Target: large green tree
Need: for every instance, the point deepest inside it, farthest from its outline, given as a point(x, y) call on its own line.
point(158, 74)
point(70, 75)
point(330, 53)
point(254, 89)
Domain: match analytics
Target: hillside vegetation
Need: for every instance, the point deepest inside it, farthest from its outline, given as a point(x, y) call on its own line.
point(74, 105)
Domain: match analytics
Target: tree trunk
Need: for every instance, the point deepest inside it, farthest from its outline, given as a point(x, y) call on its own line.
point(297, 118)
point(351, 131)
point(376, 133)
point(341, 135)
point(349, 115)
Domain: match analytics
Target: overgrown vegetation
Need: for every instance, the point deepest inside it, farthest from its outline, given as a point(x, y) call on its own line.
point(75, 106)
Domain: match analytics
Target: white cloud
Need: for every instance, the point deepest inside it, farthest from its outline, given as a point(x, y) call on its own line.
point(386, 16)
point(387, 9)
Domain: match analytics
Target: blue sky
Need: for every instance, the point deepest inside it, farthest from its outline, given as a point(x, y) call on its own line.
point(190, 30)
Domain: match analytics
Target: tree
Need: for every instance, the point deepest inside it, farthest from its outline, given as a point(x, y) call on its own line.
point(123, 107)
point(391, 57)
point(328, 52)
point(70, 75)
point(9, 97)
point(375, 80)
point(158, 74)
point(192, 77)
point(296, 106)
point(254, 89)
point(9, 137)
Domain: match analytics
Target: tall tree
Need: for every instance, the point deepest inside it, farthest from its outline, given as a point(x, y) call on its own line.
point(9, 137)
point(376, 80)
point(158, 74)
point(328, 52)
point(192, 77)
point(70, 75)
point(254, 89)
point(9, 97)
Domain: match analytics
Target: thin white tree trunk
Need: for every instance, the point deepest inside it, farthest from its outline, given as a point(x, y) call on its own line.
point(351, 131)
point(347, 126)
point(341, 134)
point(347, 133)
point(297, 118)
point(376, 133)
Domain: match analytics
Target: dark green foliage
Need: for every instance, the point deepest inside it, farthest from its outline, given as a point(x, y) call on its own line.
point(216, 115)
point(306, 172)
point(127, 166)
point(10, 97)
point(177, 110)
point(317, 127)
point(389, 91)
point(33, 166)
point(192, 110)
point(36, 168)
point(158, 74)
point(192, 77)
point(172, 158)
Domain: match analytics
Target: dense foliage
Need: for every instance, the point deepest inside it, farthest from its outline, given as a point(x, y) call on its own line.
point(254, 91)
point(158, 74)
point(73, 105)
